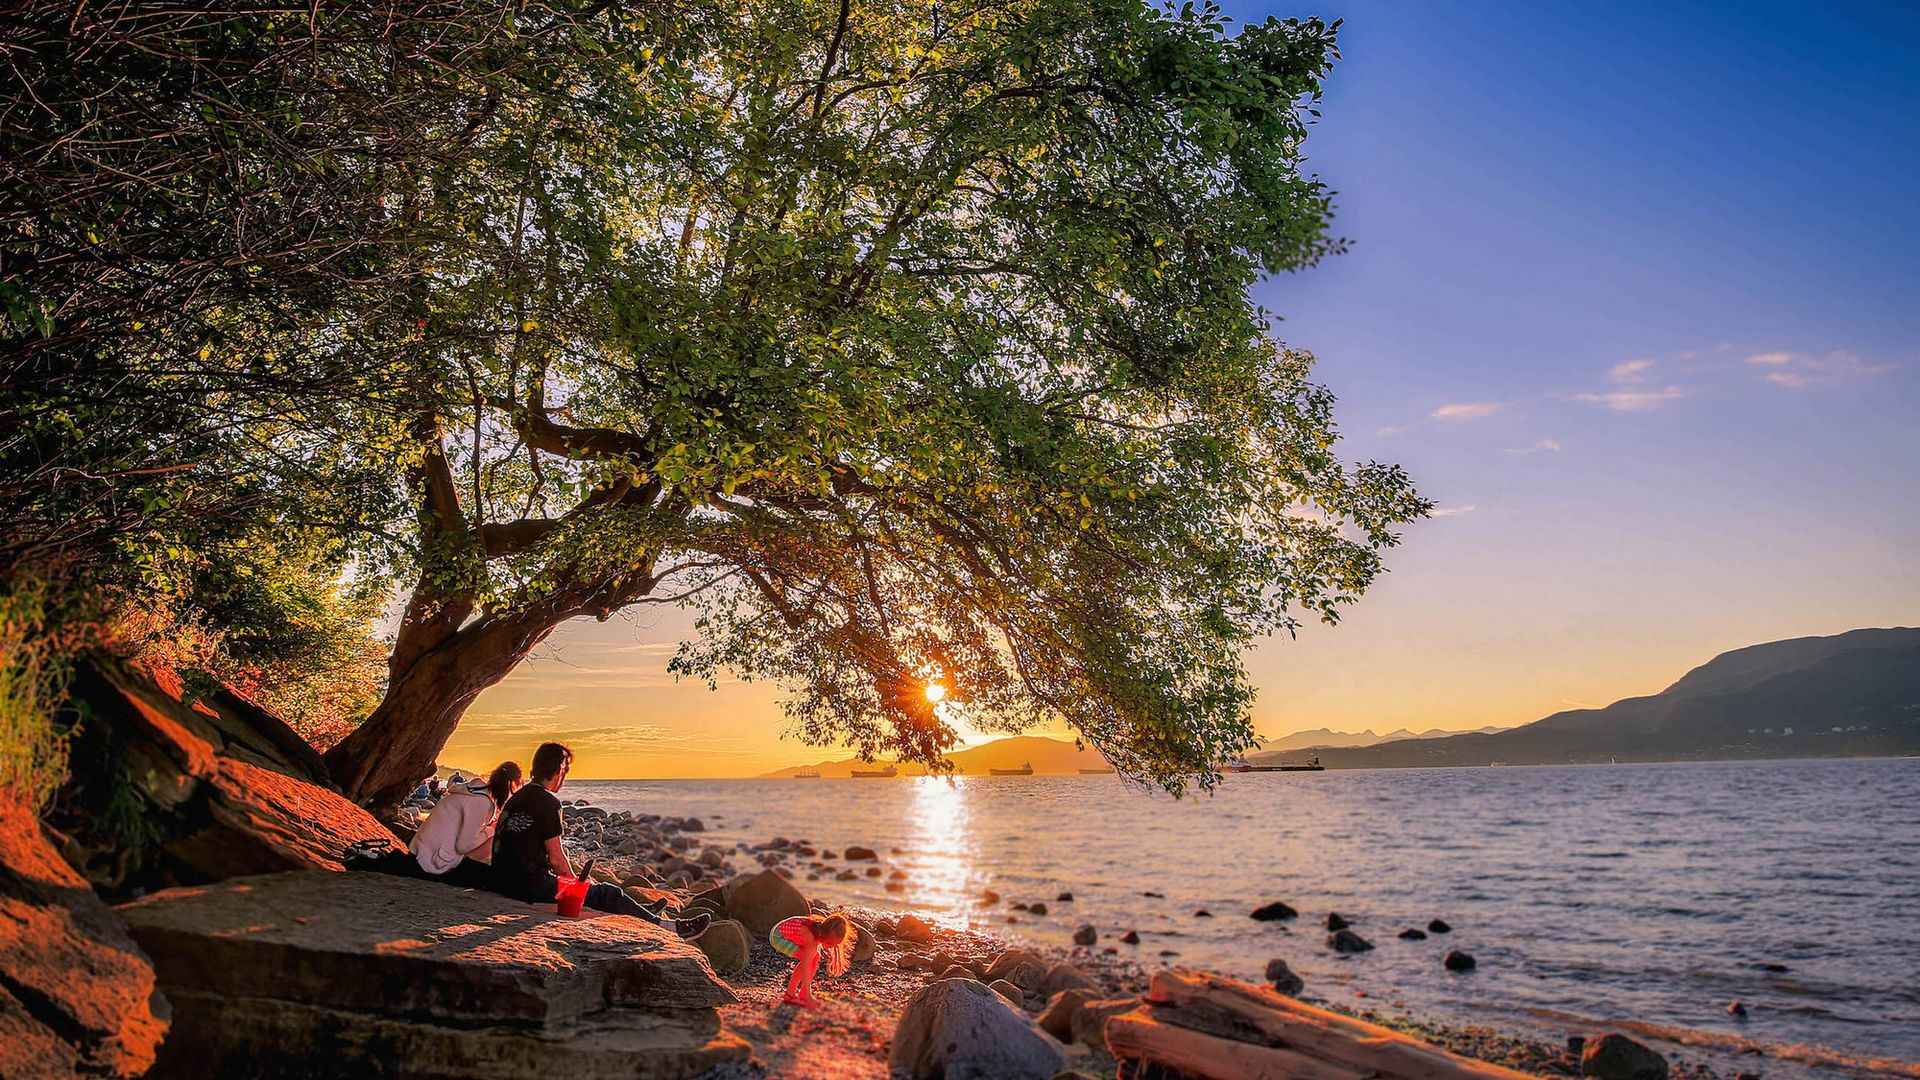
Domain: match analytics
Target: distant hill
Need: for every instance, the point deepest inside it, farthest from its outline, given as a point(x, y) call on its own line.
point(1315, 737)
point(1853, 694)
point(1046, 755)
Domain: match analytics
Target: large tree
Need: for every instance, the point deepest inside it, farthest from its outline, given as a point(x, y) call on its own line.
point(911, 344)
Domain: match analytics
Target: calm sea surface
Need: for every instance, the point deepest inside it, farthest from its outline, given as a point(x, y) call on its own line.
point(1646, 893)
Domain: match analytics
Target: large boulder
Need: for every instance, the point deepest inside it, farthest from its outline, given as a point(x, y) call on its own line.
point(727, 946)
point(77, 996)
point(320, 973)
point(761, 901)
point(221, 788)
point(958, 1029)
point(1615, 1057)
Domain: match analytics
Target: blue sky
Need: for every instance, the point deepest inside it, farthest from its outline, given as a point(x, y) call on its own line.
point(1632, 294)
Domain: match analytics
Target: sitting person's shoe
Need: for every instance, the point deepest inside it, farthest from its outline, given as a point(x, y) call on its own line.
point(655, 908)
point(691, 926)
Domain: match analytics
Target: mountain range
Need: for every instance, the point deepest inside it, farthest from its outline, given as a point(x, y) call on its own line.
point(1314, 737)
point(1851, 694)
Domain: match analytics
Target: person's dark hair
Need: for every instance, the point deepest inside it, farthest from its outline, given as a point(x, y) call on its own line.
point(500, 781)
point(549, 760)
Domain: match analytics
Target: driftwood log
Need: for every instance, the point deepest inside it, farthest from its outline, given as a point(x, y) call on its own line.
point(1200, 1025)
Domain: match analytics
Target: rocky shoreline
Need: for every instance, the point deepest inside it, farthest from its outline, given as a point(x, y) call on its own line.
point(1067, 992)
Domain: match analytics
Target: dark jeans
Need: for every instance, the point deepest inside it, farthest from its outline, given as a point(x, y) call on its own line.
point(614, 900)
point(469, 874)
point(601, 896)
point(466, 874)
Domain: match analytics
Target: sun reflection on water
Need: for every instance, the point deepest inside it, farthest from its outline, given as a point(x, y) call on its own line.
point(942, 853)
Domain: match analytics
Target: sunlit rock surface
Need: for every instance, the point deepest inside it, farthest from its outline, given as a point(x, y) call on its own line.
point(221, 787)
point(321, 973)
point(77, 995)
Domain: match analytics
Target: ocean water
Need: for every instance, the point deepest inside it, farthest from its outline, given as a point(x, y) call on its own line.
point(1647, 894)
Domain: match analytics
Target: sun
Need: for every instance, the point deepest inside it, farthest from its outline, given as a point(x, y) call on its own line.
point(936, 692)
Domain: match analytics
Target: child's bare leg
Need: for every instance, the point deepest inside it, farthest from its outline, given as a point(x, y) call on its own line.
point(805, 969)
point(797, 983)
point(811, 966)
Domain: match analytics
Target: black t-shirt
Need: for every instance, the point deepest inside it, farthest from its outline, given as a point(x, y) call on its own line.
point(527, 822)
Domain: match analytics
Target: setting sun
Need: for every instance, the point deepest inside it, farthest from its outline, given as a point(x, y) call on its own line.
point(936, 692)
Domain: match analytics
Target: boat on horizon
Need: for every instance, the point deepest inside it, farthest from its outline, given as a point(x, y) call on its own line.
point(1025, 769)
point(1097, 772)
point(887, 773)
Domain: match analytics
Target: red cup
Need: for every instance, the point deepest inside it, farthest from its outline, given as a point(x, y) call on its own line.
point(571, 895)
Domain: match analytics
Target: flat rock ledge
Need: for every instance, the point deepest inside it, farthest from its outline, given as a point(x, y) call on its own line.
point(316, 973)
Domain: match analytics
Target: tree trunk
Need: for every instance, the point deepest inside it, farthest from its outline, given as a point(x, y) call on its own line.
point(388, 755)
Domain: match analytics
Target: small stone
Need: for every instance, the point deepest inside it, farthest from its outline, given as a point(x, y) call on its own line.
point(1064, 898)
point(897, 875)
point(1057, 1018)
point(1131, 937)
point(1439, 926)
point(913, 928)
point(857, 853)
point(1284, 978)
point(1344, 940)
point(1615, 1057)
point(989, 897)
point(1036, 909)
point(1203, 913)
point(1273, 912)
point(1734, 1008)
point(1337, 921)
point(1410, 934)
point(873, 871)
point(1455, 960)
point(1086, 935)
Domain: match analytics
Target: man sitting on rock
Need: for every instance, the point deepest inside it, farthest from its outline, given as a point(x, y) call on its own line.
point(528, 859)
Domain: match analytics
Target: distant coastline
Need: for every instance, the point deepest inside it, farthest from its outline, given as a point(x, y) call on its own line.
point(1855, 694)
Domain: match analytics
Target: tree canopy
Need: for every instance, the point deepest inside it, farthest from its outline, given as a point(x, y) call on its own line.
point(906, 343)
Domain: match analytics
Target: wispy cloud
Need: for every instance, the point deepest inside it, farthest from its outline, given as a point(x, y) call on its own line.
point(1798, 371)
point(1634, 400)
point(1630, 371)
point(1389, 431)
point(1542, 446)
point(1462, 411)
point(1452, 511)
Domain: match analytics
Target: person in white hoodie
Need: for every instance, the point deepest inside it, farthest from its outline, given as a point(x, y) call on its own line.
point(455, 843)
